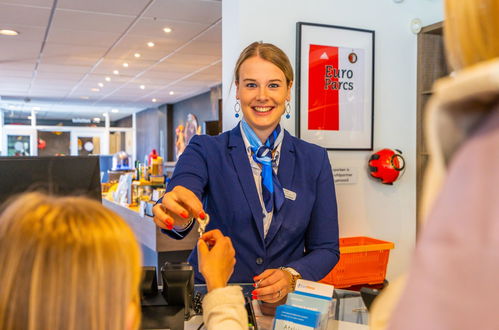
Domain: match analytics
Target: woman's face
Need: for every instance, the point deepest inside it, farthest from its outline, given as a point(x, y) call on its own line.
point(262, 91)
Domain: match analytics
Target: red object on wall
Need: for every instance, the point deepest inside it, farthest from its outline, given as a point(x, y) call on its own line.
point(386, 165)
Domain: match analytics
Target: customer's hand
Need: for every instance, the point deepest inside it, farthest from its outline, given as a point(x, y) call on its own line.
point(177, 207)
point(272, 285)
point(216, 259)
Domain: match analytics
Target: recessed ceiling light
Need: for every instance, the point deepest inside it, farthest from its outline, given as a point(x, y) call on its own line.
point(137, 55)
point(150, 44)
point(125, 65)
point(116, 72)
point(108, 79)
point(84, 97)
point(100, 84)
point(154, 100)
point(6, 32)
point(142, 87)
point(172, 92)
point(35, 108)
point(95, 90)
point(167, 29)
point(115, 110)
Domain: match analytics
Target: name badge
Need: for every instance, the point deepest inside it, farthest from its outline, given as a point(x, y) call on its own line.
point(289, 194)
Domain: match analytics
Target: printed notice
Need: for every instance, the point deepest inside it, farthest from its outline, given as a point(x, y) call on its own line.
point(345, 175)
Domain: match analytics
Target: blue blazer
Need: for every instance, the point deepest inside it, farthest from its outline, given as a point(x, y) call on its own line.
point(303, 234)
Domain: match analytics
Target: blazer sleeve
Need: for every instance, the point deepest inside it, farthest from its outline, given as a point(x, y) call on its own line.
point(321, 239)
point(190, 172)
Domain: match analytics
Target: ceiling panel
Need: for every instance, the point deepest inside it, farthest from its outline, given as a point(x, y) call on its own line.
point(90, 21)
point(186, 10)
point(202, 48)
point(18, 50)
point(57, 68)
point(14, 14)
point(120, 7)
point(36, 3)
point(152, 29)
point(83, 37)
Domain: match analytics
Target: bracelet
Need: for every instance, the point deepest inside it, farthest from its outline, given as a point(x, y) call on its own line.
point(294, 276)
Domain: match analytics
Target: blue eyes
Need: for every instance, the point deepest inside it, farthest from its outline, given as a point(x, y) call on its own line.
point(254, 85)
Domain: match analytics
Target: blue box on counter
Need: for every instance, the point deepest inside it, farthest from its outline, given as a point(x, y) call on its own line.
point(291, 317)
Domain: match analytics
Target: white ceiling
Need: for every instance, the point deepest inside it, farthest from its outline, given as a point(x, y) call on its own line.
point(67, 47)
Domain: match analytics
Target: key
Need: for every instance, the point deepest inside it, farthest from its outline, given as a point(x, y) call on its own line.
point(203, 224)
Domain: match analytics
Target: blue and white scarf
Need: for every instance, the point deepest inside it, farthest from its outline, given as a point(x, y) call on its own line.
point(273, 194)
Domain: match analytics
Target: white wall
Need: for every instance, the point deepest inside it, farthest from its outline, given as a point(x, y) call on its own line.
point(368, 207)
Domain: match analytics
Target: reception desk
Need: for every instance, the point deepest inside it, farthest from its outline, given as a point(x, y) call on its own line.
point(156, 246)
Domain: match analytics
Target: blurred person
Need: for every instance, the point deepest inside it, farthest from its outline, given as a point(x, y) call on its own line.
point(452, 282)
point(68, 263)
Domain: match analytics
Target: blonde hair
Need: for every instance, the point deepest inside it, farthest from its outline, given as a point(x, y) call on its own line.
point(471, 31)
point(68, 263)
point(268, 52)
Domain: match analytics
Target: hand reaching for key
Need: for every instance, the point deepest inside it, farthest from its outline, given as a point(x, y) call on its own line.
point(177, 208)
point(216, 259)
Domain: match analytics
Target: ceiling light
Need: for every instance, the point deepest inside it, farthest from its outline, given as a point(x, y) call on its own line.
point(125, 65)
point(137, 55)
point(108, 79)
point(142, 87)
point(100, 84)
point(84, 97)
point(97, 119)
point(172, 92)
point(167, 29)
point(95, 90)
point(154, 100)
point(11, 107)
point(116, 72)
point(8, 32)
point(150, 44)
point(115, 110)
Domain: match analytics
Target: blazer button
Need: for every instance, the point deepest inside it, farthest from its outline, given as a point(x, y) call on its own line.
point(259, 261)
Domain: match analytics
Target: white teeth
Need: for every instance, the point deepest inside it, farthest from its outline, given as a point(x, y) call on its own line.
point(262, 109)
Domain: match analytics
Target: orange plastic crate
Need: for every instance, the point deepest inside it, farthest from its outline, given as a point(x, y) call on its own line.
point(363, 260)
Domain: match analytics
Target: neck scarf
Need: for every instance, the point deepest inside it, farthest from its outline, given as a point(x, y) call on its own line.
point(273, 194)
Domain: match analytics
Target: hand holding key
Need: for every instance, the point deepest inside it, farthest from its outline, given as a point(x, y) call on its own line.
point(216, 258)
point(177, 207)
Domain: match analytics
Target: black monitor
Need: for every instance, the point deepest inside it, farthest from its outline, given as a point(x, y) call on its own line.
point(57, 175)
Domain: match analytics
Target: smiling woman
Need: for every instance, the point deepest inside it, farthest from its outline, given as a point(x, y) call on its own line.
point(271, 193)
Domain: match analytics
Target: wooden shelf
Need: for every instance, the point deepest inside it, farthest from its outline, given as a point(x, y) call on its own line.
point(431, 66)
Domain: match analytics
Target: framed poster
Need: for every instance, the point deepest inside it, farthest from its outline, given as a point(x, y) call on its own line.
point(335, 86)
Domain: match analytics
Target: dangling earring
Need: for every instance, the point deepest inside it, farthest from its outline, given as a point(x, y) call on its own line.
point(288, 110)
point(237, 108)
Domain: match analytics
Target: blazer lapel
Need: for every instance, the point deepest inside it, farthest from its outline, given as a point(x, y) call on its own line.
point(242, 166)
point(285, 174)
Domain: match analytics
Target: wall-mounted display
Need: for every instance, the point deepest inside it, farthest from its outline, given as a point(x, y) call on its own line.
point(334, 86)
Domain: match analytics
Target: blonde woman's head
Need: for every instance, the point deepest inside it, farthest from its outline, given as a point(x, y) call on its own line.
point(471, 31)
point(68, 263)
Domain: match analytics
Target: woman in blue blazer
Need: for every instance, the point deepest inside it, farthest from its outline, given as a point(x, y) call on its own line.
point(271, 193)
